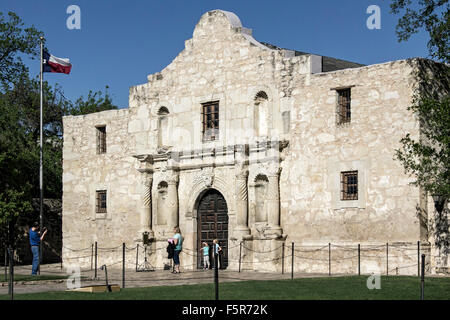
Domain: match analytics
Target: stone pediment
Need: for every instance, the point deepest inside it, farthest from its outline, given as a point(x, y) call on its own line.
point(220, 21)
point(216, 30)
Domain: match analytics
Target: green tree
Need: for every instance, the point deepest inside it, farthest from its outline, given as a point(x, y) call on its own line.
point(20, 126)
point(15, 40)
point(95, 102)
point(428, 158)
point(431, 15)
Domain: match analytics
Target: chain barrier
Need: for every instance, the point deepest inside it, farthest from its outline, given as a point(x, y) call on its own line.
point(314, 250)
point(243, 246)
point(76, 250)
point(300, 252)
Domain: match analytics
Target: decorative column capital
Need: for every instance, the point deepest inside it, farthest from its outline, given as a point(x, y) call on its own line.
point(242, 175)
point(241, 171)
point(172, 179)
point(274, 170)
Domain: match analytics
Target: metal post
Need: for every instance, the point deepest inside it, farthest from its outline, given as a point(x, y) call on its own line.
point(11, 273)
point(422, 286)
point(387, 259)
point(359, 259)
point(418, 258)
point(292, 262)
point(216, 274)
point(240, 251)
point(329, 259)
point(95, 257)
point(6, 263)
point(108, 287)
point(282, 258)
point(41, 154)
point(137, 256)
point(123, 265)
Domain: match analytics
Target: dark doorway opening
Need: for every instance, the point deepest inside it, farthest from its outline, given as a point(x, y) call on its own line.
point(212, 224)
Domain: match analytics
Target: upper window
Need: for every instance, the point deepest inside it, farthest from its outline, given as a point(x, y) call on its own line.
point(101, 140)
point(101, 202)
point(210, 118)
point(344, 111)
point(349, 185)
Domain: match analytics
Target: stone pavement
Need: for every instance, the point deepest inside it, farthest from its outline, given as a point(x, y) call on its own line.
point(138, 279)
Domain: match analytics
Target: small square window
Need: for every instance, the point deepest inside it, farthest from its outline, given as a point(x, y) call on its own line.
point(101, 202)
point(349, 185)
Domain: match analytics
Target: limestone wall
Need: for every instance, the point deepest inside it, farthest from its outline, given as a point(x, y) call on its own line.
point(320, 149)
point(222, 62)
point(85, 172)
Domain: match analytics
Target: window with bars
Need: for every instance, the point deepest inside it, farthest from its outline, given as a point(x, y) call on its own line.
point(349, 185)
point(101, 202)
point(210, 118)
point(344, 111)
point(101, 140)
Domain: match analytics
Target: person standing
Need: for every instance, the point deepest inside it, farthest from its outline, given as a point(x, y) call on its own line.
point(205, 251)
point(218, 252)
point(178, 241)
point(35, 242)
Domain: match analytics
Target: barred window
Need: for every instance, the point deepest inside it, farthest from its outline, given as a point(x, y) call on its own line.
point(344, 111)
point(349, 185)
point(101, 202)
point(210, 116)
point(101, 140)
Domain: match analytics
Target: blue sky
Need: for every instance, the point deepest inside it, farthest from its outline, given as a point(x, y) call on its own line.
point(121, 42)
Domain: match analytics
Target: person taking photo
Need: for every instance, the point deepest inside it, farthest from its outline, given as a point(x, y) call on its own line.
point(35, 242)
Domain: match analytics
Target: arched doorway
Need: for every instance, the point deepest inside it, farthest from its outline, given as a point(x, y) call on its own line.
point(212, 224)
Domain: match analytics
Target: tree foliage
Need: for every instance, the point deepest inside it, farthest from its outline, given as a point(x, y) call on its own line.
point(15, 40)
point(95, 102)
point(431, 15)
point(428, 158)
point(20, 126)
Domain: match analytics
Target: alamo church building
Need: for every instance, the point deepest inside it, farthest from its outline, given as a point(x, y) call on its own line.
point(249, 143)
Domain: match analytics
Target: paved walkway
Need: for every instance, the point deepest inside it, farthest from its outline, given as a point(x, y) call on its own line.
point(138, 279)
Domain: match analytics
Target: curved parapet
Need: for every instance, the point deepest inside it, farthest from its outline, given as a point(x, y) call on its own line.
point(218, 21)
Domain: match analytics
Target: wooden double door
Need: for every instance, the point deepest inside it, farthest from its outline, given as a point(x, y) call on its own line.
point(212, 224)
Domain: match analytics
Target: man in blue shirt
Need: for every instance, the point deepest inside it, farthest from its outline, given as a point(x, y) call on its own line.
point(35, 241)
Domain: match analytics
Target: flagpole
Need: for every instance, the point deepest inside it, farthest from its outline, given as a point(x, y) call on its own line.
point(41, 164)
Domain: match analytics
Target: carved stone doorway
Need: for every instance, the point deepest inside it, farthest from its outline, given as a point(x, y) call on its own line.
point(212, 224)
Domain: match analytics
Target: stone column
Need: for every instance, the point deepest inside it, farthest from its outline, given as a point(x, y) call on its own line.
point(242, 202)
point(273, 202)
point(172, 201)
point(146, 170)
point(146, 210)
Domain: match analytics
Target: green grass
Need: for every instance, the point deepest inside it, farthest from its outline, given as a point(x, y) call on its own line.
point(21, 277)
point(344, 288)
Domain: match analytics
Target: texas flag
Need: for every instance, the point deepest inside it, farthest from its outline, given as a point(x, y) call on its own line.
point(55, 64)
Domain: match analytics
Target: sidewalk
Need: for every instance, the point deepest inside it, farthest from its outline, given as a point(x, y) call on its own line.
point(139, 279)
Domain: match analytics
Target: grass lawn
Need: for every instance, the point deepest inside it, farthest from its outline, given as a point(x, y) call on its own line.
point(20, 277)
point(345, 288)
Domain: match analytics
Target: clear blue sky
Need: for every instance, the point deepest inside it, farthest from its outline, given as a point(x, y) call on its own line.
point(121, 42)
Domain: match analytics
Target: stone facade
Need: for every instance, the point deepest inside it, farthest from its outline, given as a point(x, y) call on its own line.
point(277, 161)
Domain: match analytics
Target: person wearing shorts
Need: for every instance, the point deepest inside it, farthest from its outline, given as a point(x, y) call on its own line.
point(205, 251)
